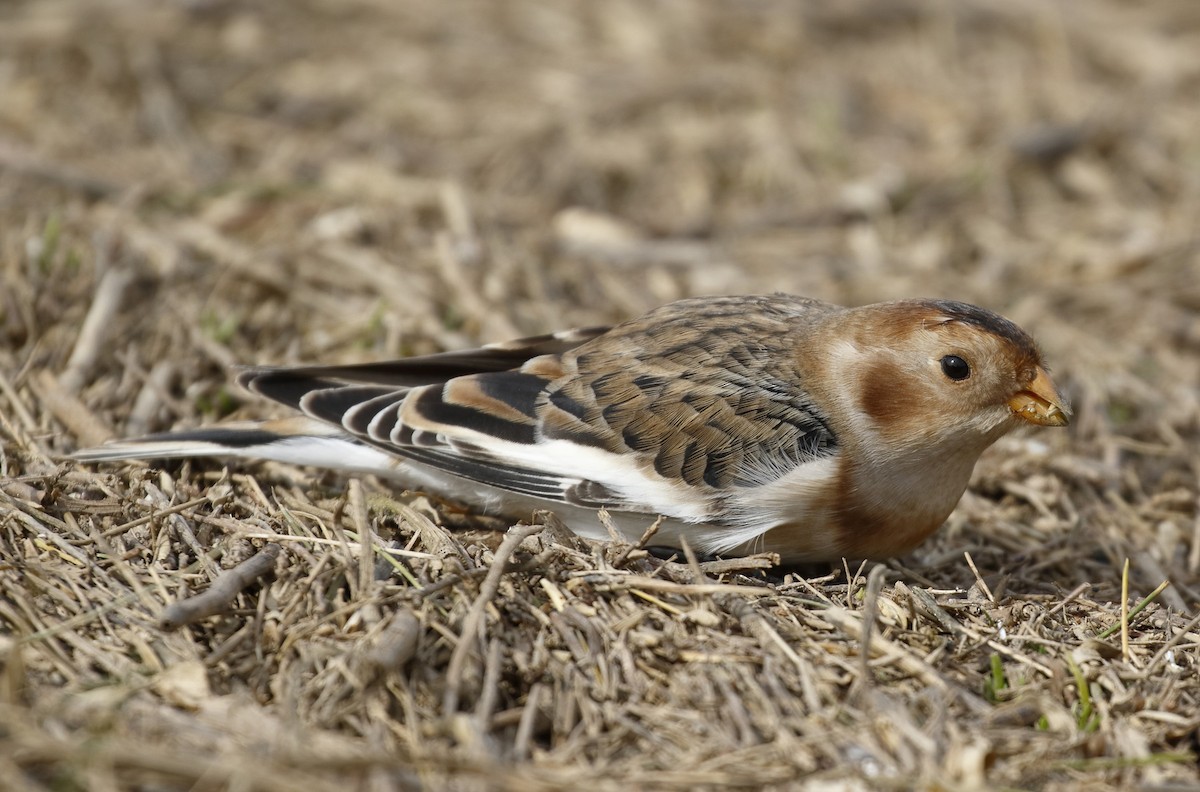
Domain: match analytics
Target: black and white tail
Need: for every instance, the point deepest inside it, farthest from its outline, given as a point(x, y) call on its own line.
point(295, 440)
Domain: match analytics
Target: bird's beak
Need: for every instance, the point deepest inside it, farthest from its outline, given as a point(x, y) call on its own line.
point(1040, 403)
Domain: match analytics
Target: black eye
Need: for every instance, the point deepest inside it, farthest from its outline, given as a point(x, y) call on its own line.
point(955, 367)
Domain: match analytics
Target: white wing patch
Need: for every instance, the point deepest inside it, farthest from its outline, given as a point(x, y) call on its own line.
point(633, 484)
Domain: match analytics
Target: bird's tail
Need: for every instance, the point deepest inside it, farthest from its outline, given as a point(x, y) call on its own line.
point(297, 441)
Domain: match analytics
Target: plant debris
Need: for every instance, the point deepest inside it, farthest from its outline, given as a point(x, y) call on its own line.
point(187, 187)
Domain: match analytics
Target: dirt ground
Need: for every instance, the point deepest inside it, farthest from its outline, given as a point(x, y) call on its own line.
point(187, 186)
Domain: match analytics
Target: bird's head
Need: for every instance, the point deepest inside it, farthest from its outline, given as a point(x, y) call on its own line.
point(929, 371)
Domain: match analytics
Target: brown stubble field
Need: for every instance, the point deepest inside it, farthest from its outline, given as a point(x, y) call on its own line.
point(189, 186)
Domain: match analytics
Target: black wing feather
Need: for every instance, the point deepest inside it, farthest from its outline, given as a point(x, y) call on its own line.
point(281, 384)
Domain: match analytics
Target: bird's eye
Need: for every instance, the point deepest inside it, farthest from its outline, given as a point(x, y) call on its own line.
point(955, 368)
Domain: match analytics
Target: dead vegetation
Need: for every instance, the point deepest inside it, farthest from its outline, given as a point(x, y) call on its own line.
point(188, 186)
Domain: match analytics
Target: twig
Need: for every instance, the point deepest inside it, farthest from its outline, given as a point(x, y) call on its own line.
point(640, 582)
point(1074, 594)
point(17, 405)
point(62, 403)
point(366, 539)
point(849, 622)
point(222, 591)
point(768, 637)
point(869, 612)
point(491, 684)
point(1125, 611)
point(979, 578)
point(398, 552)
point(851, 579)
point(692, 561)
point(925, 605)
point(528, 718)
point(640, 543)
point(396, 645)
point(751, 562)
point(77, 621)
point(145, 406)
point(473, 623)
point(176, 509)
point(98, 324)
point(614, 534)
point(540, 561)
point(1171, 644)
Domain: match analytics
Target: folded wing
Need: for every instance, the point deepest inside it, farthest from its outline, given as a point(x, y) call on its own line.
point(587, 418)
point(684, 413)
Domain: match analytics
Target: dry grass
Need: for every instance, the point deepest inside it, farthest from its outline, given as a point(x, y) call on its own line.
point(186, 186)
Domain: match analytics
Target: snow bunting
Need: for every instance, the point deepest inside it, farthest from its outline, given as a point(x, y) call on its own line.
point(763, 423)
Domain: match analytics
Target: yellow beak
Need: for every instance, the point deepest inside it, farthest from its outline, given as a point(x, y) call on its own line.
point(1040, 403)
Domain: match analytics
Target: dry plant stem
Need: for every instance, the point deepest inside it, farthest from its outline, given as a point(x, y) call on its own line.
point(987, 592)
point(397, 644)
point(87, 617)
point(1125, 611)
point(366, 539)
point(120, 564)
point(32, 166)
point(473, 623)
point(17, 405)
point(222, 591)
point(851, 623)
point(69, 411)
point(149, 398)
point(491, 678)
point(927, 606)
point(184, 530)
point(755, 624)
point(117, 530)
point(528, 718)
point(93, 336)
point(537, 562)
point(611, 582)
point(870, 606)
point(317, 540)
point(19, 490)
point(692, 561)
point(1141, 606)
point(351, 553)
point(641, 542)
point(1176, 639)
point(1074, 594)
point(614, 535)
point(724, 565)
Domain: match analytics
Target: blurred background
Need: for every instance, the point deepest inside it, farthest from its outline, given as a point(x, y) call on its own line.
point(365, 178)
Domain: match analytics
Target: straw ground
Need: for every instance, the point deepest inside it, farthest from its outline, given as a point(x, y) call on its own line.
point(189, 186)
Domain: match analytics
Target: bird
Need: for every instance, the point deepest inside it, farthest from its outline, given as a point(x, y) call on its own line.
point(742, 424)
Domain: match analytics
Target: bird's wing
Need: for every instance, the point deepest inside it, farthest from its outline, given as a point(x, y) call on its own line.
point(273, 382)
point(664, 415)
